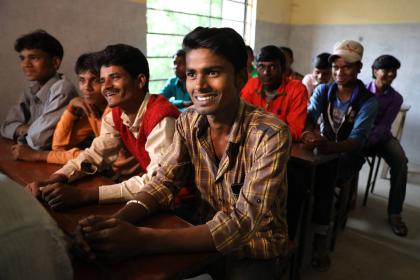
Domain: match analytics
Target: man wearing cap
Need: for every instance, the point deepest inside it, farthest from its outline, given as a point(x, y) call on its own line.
point(381, 140)
point(348, 112)
point(321, 74)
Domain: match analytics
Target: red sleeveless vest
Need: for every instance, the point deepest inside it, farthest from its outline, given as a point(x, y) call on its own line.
point(158, 108)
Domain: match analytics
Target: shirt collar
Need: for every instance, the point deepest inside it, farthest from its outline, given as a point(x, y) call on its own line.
point(372, 88)
point(332, 92)
point(139, 116)
point(236, 133)
point(42, 92)
point(236, 130)
point(181, 84)
point(281, 90)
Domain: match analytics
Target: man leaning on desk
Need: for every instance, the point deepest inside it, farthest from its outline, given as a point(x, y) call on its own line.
point(348, 112)
point(141, 122)
point(237, 155)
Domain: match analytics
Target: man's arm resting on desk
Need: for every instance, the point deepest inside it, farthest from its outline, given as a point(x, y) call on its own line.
point(26, 153)
point(61, 196)
point(116, 238)
point(34, 187)
point(21, 130)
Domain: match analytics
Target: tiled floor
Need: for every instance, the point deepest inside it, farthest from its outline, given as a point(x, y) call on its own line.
point(368, 249)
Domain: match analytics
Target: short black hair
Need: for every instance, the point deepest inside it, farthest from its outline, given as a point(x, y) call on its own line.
point(40, 39)
point(288, 50)
point(224, 41)
point(249, 49)
point(321, 61)
point(88, 62)
point(271, 53)
point(386, 61)
point(180, 53)
point(128, 57)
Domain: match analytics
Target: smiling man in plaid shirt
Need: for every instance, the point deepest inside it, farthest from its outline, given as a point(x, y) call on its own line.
point(237, 156)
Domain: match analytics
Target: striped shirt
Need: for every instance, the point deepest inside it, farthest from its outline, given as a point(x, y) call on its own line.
point(245, 193)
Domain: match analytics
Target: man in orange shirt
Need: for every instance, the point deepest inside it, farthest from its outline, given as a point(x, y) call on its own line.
point(80, 122)
point(275, 92)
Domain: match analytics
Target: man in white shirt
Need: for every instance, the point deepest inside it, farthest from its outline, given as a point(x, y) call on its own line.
point(142, 122)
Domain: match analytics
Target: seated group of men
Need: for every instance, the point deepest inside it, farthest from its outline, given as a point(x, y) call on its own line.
point(229, 153)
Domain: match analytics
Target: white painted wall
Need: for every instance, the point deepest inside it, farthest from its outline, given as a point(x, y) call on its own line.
point(79, 25)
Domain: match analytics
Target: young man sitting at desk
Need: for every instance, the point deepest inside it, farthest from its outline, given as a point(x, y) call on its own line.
point(237, 155)
point(381, 140)
point(277, 93)
point(141, 122)
point(80, 122)
point(33, 120)
point(348, 111)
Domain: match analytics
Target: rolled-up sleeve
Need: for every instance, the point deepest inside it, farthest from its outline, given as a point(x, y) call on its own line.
point(157, 143)
point(102, 152)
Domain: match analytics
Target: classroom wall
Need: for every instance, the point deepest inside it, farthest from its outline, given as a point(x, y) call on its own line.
point(79, 25)
point(272, 23)
point(382, 26)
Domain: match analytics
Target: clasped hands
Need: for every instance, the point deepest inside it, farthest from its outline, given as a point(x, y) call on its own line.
point(316, 142)
point(106, 238)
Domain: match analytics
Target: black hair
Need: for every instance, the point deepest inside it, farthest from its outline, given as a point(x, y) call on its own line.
point(271, 53)
point(40, 39)
point(88, 62)
point(386, 61)
point(128, 57)
point(321, 61)
point(224, 41)
point(180, 53)
point(288, 50)
point(249, 49)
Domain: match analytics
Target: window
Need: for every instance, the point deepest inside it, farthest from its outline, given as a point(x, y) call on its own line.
point(168, 21)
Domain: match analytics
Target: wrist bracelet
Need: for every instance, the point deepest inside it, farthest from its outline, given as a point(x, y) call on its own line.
point(140, 203)
point(303, 133)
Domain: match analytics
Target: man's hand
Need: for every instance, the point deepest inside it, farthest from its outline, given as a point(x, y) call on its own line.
point(21, 130)
point(80, 248)
point(60, 196)
point(309, 139)
point(26, 153)
point(34, 187)
point(111, 239)
point(78, 106)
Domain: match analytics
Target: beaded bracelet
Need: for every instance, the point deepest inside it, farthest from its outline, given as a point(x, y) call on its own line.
point(140, 203)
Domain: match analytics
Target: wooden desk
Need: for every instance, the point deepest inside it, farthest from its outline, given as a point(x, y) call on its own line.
point(302, 168)
point(164, 266)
